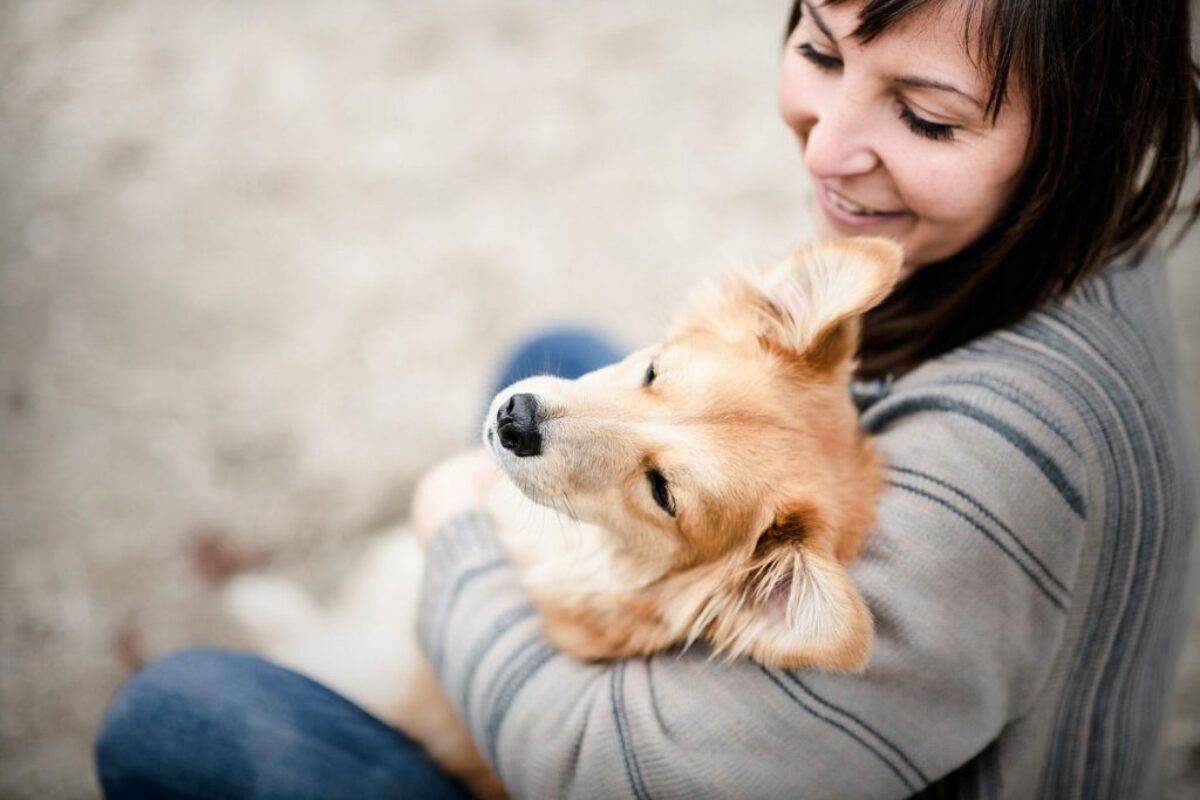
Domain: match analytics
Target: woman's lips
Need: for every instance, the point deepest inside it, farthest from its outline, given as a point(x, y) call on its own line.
point(845, 211)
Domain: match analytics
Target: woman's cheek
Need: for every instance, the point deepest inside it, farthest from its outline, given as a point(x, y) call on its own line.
point(942, 190)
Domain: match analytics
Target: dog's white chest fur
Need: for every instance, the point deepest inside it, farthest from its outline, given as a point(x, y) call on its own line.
point(362, 644)
point(558, 556)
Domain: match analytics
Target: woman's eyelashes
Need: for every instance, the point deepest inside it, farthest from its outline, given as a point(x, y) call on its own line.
point(922, 127)
point(822, 61)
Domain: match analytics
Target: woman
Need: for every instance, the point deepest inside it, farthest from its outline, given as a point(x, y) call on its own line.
point(1027, 576)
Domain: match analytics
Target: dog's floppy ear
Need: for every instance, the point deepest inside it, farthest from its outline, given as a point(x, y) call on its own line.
point(793, 604)
point(810, 304)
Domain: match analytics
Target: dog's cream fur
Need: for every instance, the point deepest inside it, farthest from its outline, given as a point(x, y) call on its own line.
point(772, 488)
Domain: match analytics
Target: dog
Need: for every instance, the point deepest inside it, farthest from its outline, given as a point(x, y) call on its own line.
point(711, 488)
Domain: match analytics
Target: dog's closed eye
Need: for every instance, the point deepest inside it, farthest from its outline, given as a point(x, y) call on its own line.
point(650, 375)
point(660, 491)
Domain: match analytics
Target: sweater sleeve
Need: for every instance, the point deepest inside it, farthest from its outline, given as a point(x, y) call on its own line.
point(969, 576)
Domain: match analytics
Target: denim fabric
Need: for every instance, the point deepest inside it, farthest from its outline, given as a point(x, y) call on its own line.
point(218, 724)
point(565, 352)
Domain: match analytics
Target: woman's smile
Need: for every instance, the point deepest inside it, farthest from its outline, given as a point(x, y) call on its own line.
point(854, 217)
point(895, 136)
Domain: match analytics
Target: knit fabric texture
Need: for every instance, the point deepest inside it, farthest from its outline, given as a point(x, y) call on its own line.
point(1028, 579)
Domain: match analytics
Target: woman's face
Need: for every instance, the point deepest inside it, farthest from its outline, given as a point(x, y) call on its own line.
point(894, 133)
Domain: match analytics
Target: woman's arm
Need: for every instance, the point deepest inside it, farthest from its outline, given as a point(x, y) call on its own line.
point(969, 577)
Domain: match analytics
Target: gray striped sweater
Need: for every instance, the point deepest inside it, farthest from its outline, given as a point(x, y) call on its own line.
point(1027, 579)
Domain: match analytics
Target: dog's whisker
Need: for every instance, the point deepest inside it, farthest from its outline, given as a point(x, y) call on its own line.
point(563, 527)
point(570, 508)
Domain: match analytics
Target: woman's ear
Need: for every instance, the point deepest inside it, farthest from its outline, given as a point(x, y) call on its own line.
point(793, 604)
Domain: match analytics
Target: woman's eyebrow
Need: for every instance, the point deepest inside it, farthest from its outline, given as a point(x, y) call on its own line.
point(914, 81)
point(816, 18)
point(926, 83)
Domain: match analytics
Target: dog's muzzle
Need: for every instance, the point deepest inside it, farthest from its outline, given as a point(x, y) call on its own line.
point(517, 426)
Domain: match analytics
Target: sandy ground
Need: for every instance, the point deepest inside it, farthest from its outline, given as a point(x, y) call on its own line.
point(258, 263)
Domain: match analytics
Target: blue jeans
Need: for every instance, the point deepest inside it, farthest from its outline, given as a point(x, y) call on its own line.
point(219, 724)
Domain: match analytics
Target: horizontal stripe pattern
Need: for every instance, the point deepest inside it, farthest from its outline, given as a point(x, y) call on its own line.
point(507, 684)
point(886, 758)
point(973, 514)
point(1028, 578)
point(880, 421)
point(504, 623)
point(633, 772)
point(850, 719)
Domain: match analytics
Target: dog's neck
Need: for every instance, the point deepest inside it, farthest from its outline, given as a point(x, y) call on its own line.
point(595, 600)
point(562, 557)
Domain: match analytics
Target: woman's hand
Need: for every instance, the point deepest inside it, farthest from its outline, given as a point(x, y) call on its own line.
point(458, 484)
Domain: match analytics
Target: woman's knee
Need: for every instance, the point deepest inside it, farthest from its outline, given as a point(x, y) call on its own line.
point(565, 352)
point(168, 726)
point(212, 723)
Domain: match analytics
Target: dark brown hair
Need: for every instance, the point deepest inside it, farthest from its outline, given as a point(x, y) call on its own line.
point(1114, 101)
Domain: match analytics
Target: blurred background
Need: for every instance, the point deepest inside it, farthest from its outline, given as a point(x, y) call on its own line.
point(260, 261)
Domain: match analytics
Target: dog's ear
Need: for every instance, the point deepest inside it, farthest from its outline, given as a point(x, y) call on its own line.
point(810, 304)
point(793, 604)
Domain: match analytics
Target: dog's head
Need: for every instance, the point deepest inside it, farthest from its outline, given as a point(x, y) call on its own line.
point(726, 462)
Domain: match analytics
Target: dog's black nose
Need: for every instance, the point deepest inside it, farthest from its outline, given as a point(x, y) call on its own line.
point(517, 425)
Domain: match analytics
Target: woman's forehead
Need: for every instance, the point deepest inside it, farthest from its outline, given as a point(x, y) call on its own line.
point(937, 42)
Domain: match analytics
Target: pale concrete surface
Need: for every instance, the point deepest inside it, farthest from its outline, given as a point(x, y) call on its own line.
point(257, 263)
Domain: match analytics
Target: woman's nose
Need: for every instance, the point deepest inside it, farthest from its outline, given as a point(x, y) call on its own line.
point(839, 140)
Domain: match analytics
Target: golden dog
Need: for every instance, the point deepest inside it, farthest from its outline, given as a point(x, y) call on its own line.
point(709, 488)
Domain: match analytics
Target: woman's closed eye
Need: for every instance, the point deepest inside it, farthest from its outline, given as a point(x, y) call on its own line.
point(936, 131)
point(822, 61)
point(926, 129)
